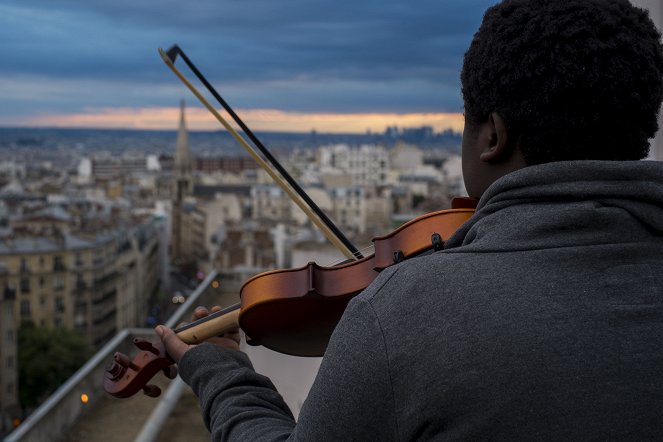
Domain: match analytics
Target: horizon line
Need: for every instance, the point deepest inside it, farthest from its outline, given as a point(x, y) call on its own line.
point(220, 130)
point(263, 120)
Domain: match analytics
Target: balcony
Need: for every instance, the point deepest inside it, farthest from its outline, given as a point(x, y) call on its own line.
point(101, 280)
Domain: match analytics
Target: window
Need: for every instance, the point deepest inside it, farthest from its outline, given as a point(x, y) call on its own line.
point(10, 362)
point(9, 293)
point(25, 285)
point(58, 264)
point(59, 304)
point(58, 282)
point(25, 308)
point(80, 282)
point(98, 258)
point(10, 335)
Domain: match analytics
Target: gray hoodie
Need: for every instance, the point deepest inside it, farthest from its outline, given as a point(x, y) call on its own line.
point(541, 320)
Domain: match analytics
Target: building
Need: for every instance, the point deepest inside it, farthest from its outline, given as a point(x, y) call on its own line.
point(94, 284)
point(9, 406)
point(452, 172)
point(233, 165)
point(366, 164)
point(349, 208)
point(405, 158)
point(108, 167)
point(138, 267)
point(246, 247)
point(204, 214)
point(270, 203)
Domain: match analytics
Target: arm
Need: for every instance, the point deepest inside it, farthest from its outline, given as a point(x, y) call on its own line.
point(237, 403)
point(351, 398)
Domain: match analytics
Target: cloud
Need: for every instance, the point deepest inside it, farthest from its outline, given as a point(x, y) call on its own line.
point(335, 56)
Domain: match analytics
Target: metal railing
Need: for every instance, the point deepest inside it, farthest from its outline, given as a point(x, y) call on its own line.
point(52, 419)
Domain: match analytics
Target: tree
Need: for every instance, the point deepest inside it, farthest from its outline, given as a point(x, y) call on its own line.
point(47, 358)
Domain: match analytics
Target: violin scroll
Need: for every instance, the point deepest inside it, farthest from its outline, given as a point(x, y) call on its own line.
point(125, 377)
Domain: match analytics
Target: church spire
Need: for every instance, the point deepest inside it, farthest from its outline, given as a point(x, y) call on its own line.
point(182, 156)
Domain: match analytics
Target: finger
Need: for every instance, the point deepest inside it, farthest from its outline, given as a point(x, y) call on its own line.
point(227, 342)
point(230, 339)
point(233, 334)
point(199, 312)
point(174, 345)
point(216, 308)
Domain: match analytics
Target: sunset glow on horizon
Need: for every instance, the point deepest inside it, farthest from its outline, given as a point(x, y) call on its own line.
point(198, 118)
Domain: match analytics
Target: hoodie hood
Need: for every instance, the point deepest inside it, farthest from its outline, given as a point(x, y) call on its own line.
point(568, 203)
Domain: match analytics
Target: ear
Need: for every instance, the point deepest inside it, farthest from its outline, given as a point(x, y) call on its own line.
point(497, 148)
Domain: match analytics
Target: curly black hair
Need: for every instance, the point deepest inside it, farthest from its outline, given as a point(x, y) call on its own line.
point(572, 79)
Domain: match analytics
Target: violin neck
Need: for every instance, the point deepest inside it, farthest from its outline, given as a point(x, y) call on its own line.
point(209, 326)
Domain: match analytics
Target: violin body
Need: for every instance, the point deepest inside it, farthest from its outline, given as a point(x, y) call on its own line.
point(294, 311)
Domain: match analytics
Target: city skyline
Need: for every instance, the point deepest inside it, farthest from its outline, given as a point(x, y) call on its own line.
point(295, 66)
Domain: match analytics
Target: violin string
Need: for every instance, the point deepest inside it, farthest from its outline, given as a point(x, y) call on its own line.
point(365, 251)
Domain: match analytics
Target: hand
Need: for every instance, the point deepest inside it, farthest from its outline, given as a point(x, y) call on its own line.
point(176, 347)
point(229, 339)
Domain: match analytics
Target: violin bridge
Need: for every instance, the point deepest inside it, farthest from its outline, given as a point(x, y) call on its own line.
point(436, 240)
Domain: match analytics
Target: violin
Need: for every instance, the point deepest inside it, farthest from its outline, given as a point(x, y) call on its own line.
point(292, 311)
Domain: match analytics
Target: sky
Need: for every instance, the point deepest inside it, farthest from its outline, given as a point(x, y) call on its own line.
point(284, 65)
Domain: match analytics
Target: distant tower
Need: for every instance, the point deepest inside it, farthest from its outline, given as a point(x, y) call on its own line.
point(183, 184)
point(183, 162)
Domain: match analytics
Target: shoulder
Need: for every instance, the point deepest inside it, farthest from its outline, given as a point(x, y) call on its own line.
point(415, 280)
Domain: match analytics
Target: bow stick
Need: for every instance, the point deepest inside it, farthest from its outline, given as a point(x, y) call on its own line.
point(282, 178)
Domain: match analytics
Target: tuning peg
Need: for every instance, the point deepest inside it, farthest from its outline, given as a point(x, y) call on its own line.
point(151, 390)
point(115, 370)
point(145, 345)
point(124, 361)
point(170, 372)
